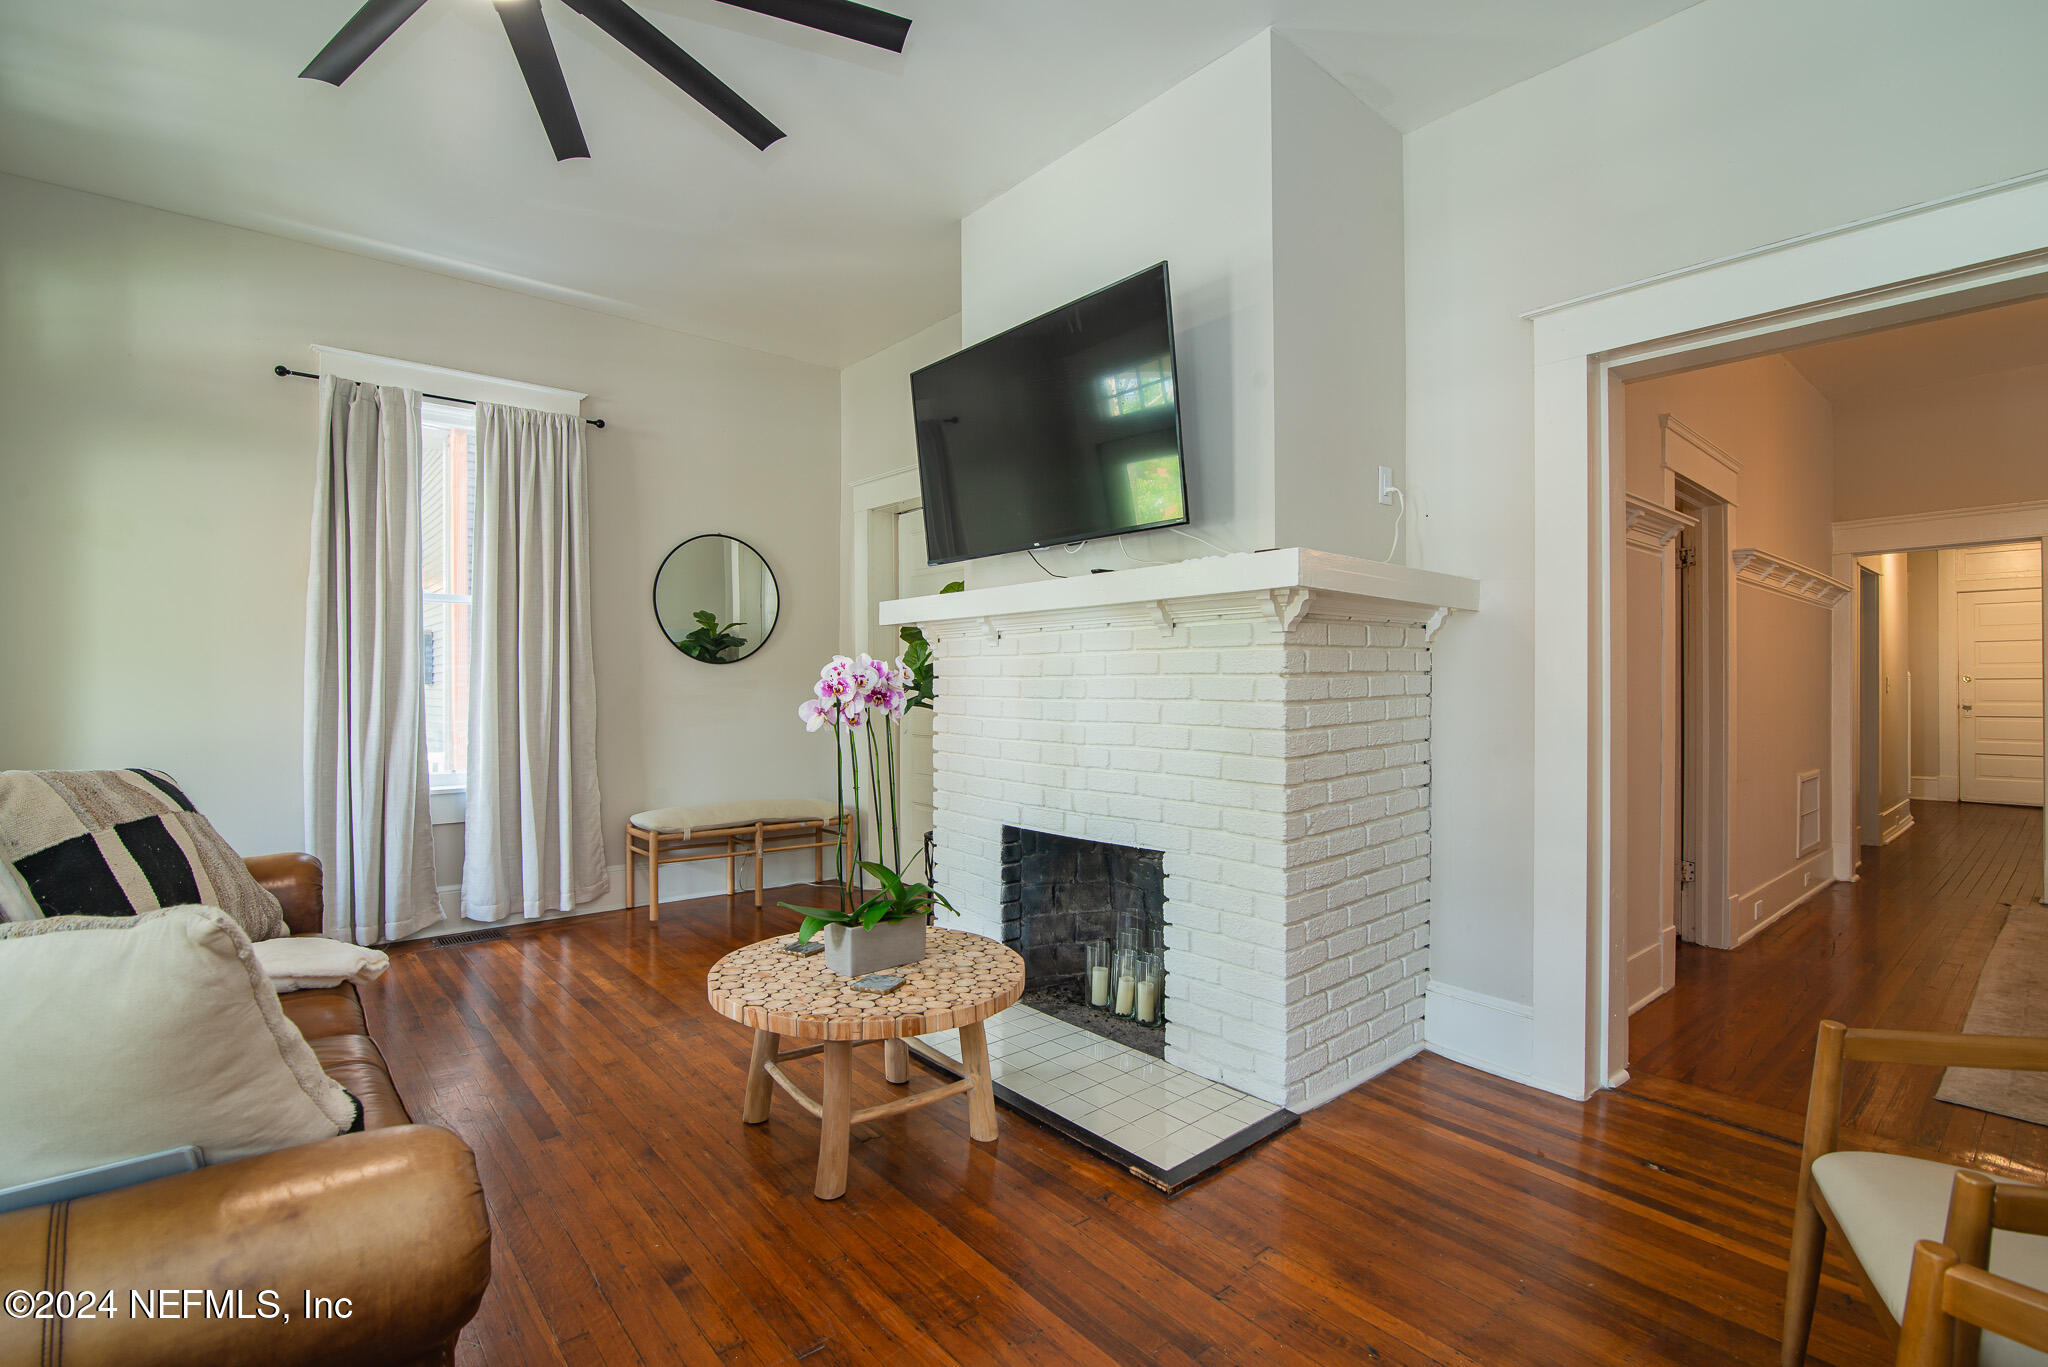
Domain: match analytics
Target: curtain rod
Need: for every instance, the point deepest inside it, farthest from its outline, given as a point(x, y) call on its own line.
point(284, 370)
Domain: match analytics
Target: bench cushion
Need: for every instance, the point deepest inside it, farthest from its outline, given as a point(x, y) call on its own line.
point(711, 816)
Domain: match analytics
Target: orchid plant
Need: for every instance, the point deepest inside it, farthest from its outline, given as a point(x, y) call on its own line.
point(862, 700)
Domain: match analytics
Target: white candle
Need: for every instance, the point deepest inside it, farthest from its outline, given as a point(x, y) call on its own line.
point(1098, 985)
point(1148, 1000)
point(1124, 988)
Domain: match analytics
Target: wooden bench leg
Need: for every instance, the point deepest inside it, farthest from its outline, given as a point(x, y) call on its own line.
point(760, 1086)
point(732, 869)
point(757, 866)
point(835, 1131)
point(981, 1096)
point(896, 1060)
point(653, 878)
point(631, 900)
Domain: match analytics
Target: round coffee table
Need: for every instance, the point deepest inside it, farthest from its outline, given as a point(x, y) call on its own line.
point(962, 980)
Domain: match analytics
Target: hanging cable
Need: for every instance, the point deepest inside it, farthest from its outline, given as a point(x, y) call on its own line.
point(1399, 518)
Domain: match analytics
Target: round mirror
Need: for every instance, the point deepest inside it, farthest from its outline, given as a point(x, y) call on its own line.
point(716, 599)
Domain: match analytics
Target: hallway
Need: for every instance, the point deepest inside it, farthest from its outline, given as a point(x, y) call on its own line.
point(1900, 948)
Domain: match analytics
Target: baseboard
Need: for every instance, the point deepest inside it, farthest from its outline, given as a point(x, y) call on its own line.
point(1491, 1034)
point(1894, 821)
point(1795, 886)
point(1328, 1094)
point(679, 882)
point(1663, 956)
point(1934, 788)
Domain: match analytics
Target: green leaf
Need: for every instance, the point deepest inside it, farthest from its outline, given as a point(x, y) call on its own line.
point(875, 913)
point(706, 620)
point(886, 876)
point(811, 926)
point(957, 586)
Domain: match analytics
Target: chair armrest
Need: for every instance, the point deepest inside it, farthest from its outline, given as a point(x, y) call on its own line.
point(391, 1220)
point(295, 881)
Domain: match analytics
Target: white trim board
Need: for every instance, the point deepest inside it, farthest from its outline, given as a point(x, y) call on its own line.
point(1491, 1034)
point(1895, 820)
point(1964, 252)
point(1934, 787)
point(1779, 896)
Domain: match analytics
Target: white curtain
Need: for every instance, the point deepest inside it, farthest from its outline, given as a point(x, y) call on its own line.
point(366, 754)
point(532, 838)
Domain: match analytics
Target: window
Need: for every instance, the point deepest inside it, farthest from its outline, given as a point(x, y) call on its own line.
point(447, 530)
point(1133, 391)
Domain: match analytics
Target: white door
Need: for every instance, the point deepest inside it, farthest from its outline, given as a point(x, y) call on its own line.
point(915, 578)
point(1998, 654)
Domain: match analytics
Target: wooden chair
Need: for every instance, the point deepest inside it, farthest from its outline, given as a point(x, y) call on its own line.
point(1951, 1302)
point(1879, 1205)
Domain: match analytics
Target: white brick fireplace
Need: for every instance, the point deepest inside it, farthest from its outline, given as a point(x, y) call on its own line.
point(1263, 721)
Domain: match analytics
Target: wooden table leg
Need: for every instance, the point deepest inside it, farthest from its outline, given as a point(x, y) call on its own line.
point(631, 900)
point(760, 1086)
point(896, 1060)
point(981, 1097)
point(835, 1131)
point(757, 866)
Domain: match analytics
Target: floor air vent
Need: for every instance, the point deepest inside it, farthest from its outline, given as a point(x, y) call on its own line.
point(467, 937)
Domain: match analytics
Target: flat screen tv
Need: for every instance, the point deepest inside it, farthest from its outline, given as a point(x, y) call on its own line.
point(1063, 429)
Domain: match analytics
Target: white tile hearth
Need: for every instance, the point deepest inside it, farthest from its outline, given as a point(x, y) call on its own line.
point(1158, 1113)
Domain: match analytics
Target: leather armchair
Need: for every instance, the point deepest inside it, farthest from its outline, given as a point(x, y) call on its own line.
point(390, 1221)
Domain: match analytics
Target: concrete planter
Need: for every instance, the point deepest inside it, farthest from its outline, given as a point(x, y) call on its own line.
point(855, 952)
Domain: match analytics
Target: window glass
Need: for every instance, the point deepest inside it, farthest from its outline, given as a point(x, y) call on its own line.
point(447, 527)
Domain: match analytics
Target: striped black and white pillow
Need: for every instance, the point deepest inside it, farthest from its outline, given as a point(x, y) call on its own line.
point(118, 842)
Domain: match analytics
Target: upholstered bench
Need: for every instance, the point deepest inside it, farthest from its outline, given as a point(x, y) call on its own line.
point(728, 831)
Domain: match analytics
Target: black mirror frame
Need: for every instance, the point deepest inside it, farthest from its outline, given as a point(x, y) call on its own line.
point(654, 599)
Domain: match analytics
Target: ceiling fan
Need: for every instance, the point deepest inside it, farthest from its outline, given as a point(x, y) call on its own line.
point(527, 29)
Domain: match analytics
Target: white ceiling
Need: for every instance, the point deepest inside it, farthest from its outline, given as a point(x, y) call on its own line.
point(1941, 350)
point(837, 241)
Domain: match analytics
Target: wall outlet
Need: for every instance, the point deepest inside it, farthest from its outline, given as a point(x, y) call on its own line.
point(1386, 484)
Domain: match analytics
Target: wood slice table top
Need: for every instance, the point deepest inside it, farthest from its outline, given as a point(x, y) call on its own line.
point(962, 978)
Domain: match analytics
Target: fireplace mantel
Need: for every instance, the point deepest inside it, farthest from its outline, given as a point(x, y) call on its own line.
point(1280, 586)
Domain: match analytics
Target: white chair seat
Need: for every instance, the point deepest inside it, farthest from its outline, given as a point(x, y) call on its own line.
point(711, 816)
point(1884, 1202)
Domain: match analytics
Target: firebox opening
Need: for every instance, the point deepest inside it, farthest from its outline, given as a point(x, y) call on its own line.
point(1060, 895)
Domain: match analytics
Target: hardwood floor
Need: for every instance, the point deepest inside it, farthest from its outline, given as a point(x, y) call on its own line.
point(1901, 948)
point(1435, 1215)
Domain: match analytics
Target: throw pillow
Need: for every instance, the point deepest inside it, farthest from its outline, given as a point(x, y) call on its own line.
point(130, 1035)
point(115, 842)
point(300, 961)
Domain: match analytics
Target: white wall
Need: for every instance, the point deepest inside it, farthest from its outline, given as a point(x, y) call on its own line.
point(1274, 195)
point(157, 484)
point(1894, 659)
point(1970, 443)
point(878, 436)
point(1733, 124)
point(1339, 344)
point(1186, 179)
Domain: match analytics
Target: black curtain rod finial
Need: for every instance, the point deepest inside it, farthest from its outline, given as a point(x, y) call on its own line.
point(283, 371)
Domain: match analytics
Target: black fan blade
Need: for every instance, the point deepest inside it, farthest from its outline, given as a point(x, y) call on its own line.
point(527, 27)
point(843, 17)
point(655, 48)
point(360, 37)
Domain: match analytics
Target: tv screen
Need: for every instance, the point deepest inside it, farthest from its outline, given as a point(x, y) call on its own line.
point(1063, 429)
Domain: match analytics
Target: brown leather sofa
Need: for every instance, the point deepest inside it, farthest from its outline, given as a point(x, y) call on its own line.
point(390, 1219)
